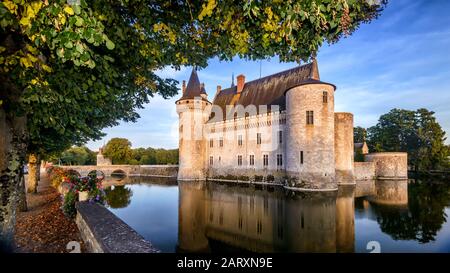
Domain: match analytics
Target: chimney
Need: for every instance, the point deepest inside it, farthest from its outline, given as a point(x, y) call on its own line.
point(183, 88)
point(202, 85)
point(219, 88)
point(240, 83)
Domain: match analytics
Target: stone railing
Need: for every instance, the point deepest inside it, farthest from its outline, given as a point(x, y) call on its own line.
point(103, 232)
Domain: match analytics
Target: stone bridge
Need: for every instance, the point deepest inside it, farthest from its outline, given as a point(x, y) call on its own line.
point(127, 170)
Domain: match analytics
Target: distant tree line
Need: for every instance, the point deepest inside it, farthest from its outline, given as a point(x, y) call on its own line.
point(415, 132)
point(120, 152)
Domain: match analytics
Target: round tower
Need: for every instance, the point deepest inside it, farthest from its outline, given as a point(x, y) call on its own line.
point(193, 112)
point(343, 148)
point(310, 134)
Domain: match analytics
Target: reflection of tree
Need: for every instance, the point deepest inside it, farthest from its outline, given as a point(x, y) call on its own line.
point(424, 216)
point(119, 197)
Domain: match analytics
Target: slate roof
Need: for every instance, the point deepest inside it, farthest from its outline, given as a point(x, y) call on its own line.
point(193, 88)
point(269, 90)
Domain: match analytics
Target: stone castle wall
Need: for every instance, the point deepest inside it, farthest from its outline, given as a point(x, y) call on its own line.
point(343, 147)
point(389, 165)
point(225, 158)
point(316, 141)
point(192, 144)
point(364, 170)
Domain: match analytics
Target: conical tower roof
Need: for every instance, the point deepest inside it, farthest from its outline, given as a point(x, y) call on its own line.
point(193, 88)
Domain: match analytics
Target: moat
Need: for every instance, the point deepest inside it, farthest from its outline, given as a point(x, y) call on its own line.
point(402, 216)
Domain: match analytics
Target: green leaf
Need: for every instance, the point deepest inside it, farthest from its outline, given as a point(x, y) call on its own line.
point(109, 44)
point(79, 21)
point(69, 44)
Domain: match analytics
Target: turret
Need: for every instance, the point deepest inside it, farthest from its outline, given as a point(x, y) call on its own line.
point(343, 148)
point(193, 112)
point(310, 132)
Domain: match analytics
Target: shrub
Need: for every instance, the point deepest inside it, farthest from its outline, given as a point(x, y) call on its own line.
point(56, 175)
point(69, 204)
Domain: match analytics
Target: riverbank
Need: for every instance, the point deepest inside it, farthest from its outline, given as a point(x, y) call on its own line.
point(44, 228)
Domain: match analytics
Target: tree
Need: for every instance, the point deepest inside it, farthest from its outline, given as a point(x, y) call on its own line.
point(359, 134)
point(415, 132)
point(119, 150)
point(63, 67)
point(78, 156)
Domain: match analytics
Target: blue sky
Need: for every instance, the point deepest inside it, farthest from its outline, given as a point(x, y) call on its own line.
point(401, 60)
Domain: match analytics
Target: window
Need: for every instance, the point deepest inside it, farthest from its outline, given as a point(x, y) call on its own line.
point(280, 137)
point(266, 205)
point(280, 231)
point(309, 117)
point(239, 160)
point(240, 140)
point(266, 160)
point(211, 142)
point(221, 142)
point(259, 226)
point(252, 160)
point(279, 160)
point(258, 138)
point(325, 96)
point(301, 157)
point(211, 160)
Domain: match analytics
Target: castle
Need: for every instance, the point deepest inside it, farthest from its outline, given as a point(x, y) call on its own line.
point(277, 129)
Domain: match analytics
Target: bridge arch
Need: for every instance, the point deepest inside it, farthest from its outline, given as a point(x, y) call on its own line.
point(118, 174)
point(73, 172)
point(99, 174)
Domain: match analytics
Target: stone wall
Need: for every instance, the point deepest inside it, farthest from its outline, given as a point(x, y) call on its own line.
point(158, 170)
point(343, 147)
point(364, 170)
point(225, 158)
point(103, 232)
point(389, 165)
point(315, 141)
point(129, 170)
point(192, 144)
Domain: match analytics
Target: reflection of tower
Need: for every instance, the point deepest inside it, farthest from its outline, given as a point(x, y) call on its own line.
point(311, 223)
point(191, 217)
point(345, 219)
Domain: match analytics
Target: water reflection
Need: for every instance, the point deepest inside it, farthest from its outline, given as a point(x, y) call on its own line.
point(421, 217)
point(118, 196)
point(213, 217)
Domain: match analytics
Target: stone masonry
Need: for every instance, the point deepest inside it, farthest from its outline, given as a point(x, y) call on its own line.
point(277, 129)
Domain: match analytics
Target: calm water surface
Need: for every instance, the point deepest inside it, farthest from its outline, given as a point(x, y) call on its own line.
point(400, 216)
